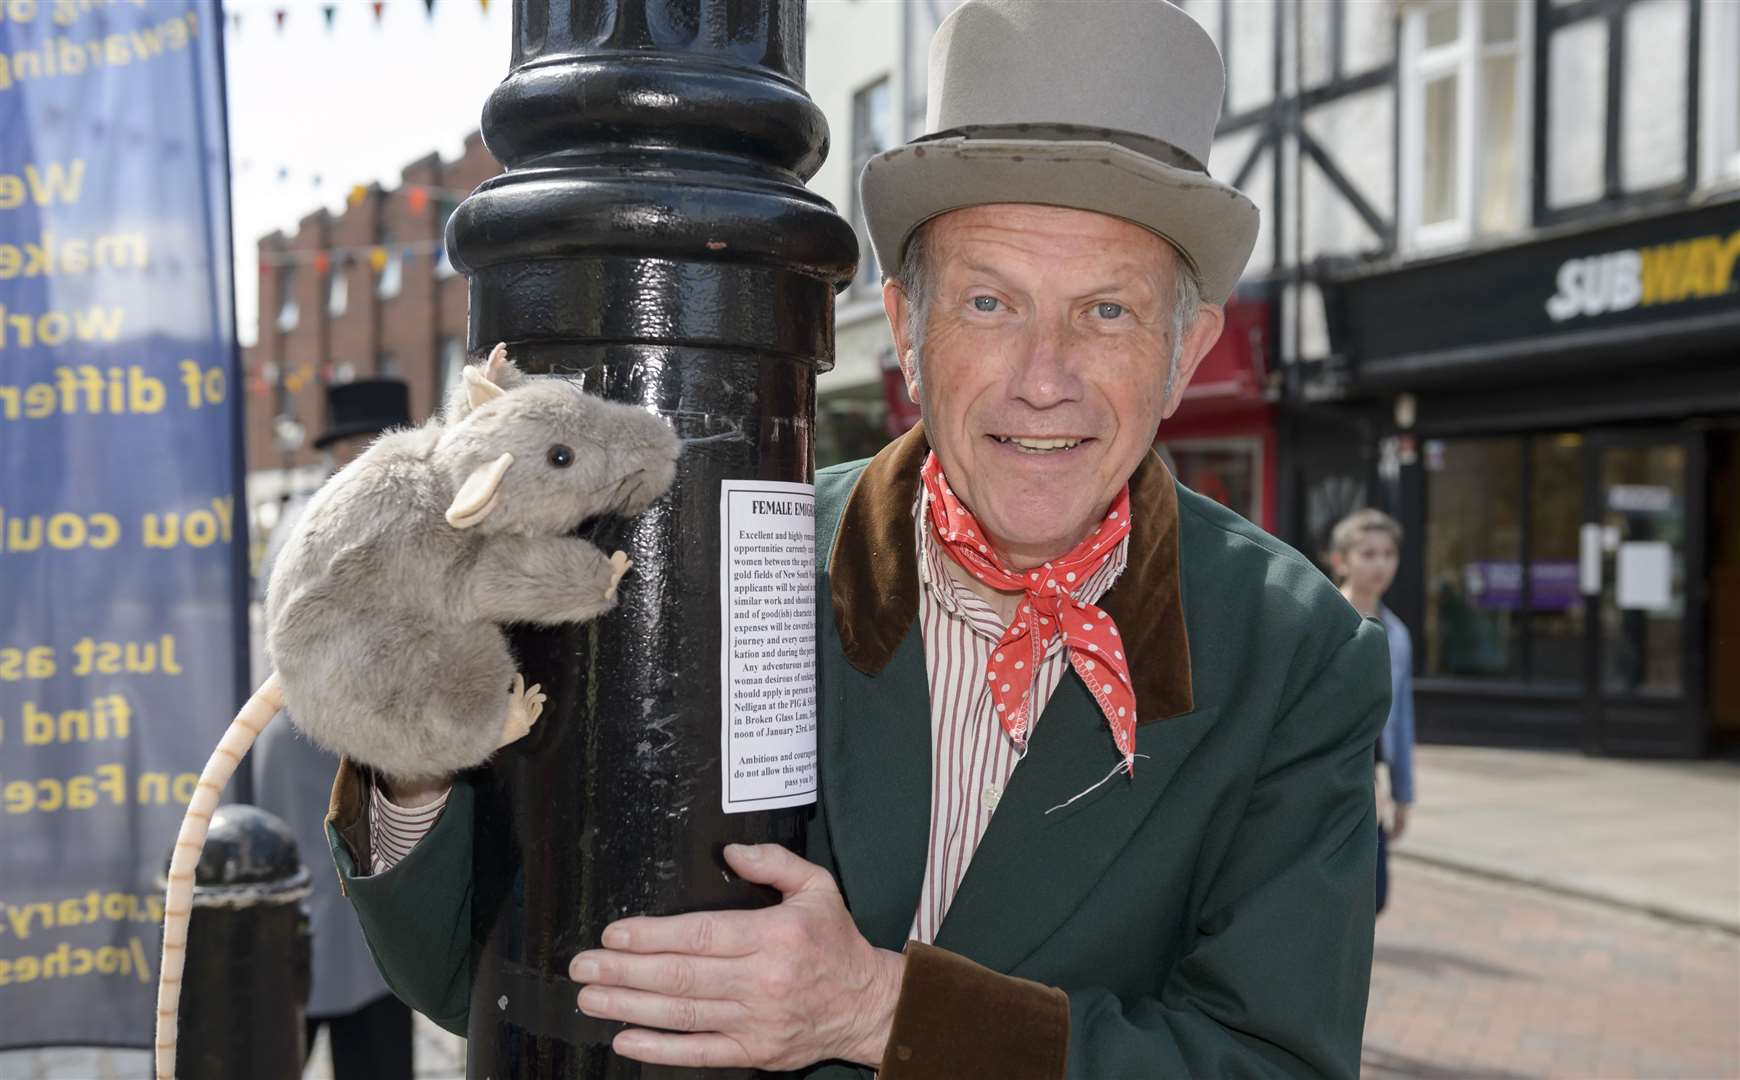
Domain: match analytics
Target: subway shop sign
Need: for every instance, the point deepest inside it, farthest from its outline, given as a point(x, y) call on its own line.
point(1697, 268)
point(1667, 281)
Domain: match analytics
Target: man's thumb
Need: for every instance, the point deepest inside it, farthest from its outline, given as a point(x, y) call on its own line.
point(771, 864)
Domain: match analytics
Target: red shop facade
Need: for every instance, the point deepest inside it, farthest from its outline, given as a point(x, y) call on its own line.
point(1221, 442)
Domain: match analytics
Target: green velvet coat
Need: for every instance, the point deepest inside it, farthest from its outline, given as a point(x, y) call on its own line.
point(1211, 917)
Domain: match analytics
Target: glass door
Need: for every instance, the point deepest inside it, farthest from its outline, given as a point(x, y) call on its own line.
point(1639, 570)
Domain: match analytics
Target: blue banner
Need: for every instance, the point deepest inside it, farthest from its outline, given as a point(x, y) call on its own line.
point(120, 537)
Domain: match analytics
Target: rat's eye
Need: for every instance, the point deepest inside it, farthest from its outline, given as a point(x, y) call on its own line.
point(560, 456)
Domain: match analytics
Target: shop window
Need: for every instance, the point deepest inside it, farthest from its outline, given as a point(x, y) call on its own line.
point(1642, 616)
point(850, 424)
point(1555, 610)
point(872, 133)
point(1473, 553)
point(1229, 471)
point(1464, 120)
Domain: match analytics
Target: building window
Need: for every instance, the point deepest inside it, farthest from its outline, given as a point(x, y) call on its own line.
point(1465, 146)
point(338, 289)
point(391, 268)
point(289, 312)
point(872, 133)
point(1721, 116)
point(449, 362)
point(922, 19)
point(386, 364)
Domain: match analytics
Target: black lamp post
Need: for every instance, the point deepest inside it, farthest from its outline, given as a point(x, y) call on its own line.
point(653, 241)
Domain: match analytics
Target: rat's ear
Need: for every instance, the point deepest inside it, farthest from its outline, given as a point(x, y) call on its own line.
point(479, 389)
point(476, 497)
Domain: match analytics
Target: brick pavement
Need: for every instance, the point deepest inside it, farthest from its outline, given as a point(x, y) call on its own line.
point(1474, 978)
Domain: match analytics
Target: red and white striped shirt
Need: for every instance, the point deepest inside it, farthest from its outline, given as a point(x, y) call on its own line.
point(394, 830)
point(972, 757)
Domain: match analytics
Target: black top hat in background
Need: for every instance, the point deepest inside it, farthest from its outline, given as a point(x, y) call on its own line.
point(364, 407)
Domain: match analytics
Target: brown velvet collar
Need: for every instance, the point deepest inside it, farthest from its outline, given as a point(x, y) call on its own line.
point(873, 570)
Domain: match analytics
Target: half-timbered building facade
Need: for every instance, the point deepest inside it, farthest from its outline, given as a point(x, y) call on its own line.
point(1494, 292)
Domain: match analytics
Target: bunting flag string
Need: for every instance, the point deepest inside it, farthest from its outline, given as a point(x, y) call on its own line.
point(375, 256)
point(51, 117)
point(329, 14)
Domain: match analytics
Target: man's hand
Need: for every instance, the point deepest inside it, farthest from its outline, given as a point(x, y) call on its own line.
point(1398, 820)
point(779, 988)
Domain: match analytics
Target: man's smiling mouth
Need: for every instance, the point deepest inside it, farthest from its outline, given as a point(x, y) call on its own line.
point(1039, 446)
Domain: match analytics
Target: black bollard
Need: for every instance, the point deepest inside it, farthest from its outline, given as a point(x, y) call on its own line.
point(652, 240)
point(247, 976)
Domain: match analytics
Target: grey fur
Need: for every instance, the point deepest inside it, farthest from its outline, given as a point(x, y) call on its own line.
point(381, 617)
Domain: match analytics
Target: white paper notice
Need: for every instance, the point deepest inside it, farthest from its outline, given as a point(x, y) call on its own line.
point(767, 667)
point(1646, 571)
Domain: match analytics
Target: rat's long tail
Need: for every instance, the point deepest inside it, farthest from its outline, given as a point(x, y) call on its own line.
point(178, 905)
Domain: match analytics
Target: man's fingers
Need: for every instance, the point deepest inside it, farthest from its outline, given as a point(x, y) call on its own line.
point(703, 933)
point(642, 1009)
point(660, 973)
point(775, 865)
point(709, 1051)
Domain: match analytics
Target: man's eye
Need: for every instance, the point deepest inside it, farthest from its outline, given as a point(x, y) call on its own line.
point(985, 303)
point(1108, 310)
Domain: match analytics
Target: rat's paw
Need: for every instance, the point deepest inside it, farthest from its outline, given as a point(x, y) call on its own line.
point(619, 564)
point(525, 705)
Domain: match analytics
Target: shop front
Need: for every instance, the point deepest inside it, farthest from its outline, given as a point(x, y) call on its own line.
point(1221, 441)
point(1560, 436)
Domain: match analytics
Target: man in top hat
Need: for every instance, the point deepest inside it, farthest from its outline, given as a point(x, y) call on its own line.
point(1095, 753)
point(368, 1029)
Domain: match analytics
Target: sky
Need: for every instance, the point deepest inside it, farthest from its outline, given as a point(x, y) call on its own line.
point(351, 105)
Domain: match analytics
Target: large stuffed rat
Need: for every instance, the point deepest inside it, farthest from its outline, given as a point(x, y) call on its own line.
point(382, 611)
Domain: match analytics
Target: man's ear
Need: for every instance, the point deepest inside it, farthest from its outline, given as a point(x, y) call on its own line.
point(896, 305)
point(1199, 338)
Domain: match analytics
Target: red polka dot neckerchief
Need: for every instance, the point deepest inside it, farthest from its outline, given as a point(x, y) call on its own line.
point(1048, 608)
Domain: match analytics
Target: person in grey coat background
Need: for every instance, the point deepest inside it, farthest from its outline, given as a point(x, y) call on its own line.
point(369, 1029)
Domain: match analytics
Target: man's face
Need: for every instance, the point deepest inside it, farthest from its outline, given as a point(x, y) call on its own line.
point(1044, 364)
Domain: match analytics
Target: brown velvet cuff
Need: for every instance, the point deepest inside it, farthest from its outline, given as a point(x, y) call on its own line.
point(348, 813)
point(956, 1020)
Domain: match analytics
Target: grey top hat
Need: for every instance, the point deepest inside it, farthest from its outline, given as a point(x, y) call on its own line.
point(1102, 105)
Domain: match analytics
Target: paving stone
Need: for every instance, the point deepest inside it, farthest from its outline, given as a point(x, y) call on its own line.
point(1475, 978)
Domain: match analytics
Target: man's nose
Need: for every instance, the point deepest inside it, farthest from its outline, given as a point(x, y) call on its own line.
point(1045, 374)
